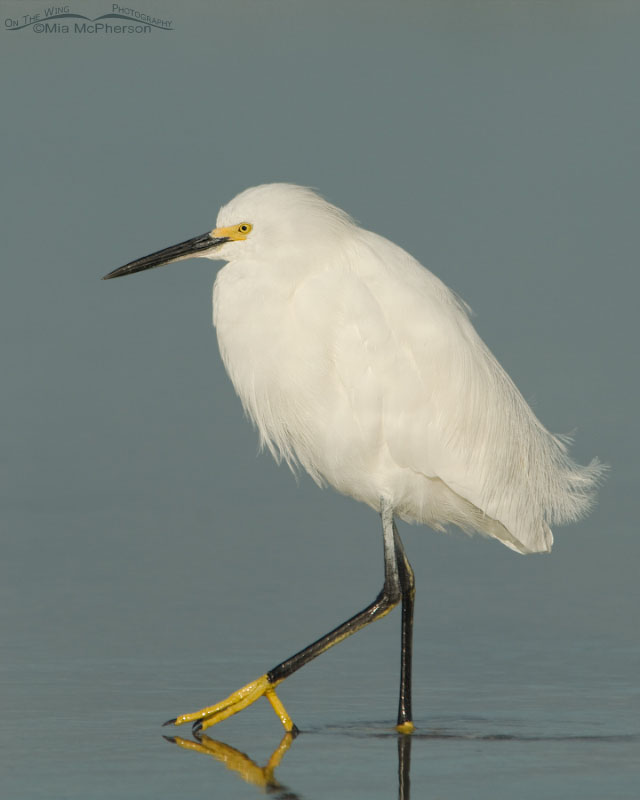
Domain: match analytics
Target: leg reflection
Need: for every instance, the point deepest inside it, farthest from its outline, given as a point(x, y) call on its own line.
point(404, 766)
point(263, 777)
point(239, 762)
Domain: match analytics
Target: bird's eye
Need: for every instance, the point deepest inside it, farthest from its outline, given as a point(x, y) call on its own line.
point(244, 228)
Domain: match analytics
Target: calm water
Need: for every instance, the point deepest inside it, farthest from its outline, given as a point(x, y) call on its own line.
point(149, 562)
point(105, 646)
point(87, 729)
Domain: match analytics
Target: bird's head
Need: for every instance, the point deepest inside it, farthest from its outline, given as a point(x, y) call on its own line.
point(274, 221)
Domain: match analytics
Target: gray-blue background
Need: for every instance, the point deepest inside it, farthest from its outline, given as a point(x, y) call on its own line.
point(151, 563)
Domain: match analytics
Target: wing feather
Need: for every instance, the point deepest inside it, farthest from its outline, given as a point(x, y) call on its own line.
point(452, 413)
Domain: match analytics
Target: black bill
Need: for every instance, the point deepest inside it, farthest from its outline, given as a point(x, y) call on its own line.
point(174, 253)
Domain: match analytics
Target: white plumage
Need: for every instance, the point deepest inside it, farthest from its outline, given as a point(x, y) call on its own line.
point(360, 365)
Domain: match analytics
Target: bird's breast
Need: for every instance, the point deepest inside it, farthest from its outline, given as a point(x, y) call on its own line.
point(291, 350)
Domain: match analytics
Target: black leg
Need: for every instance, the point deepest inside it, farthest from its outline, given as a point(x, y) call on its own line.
point(387, 599)
point(407, 588)
point(398, 585)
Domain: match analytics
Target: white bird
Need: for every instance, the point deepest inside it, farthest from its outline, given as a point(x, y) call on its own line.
point(359, 365)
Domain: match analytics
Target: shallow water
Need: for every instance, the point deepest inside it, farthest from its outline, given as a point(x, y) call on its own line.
point(118, 618)
point(121, 753)
point(494, 718)
point(150, 564)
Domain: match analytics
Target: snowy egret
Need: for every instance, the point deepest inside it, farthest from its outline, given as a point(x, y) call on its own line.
point(359, 365)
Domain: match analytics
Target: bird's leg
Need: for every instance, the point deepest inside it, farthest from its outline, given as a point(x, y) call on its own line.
point(398, 584)
point(407, 587)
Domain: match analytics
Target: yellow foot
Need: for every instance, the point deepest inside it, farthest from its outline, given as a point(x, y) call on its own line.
point(405, 727)
point(236, 702)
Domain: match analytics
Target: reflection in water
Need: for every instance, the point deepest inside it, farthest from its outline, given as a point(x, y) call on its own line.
point(249, 771)
point(241, 764)
point(404, 765)
point(462, 730)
